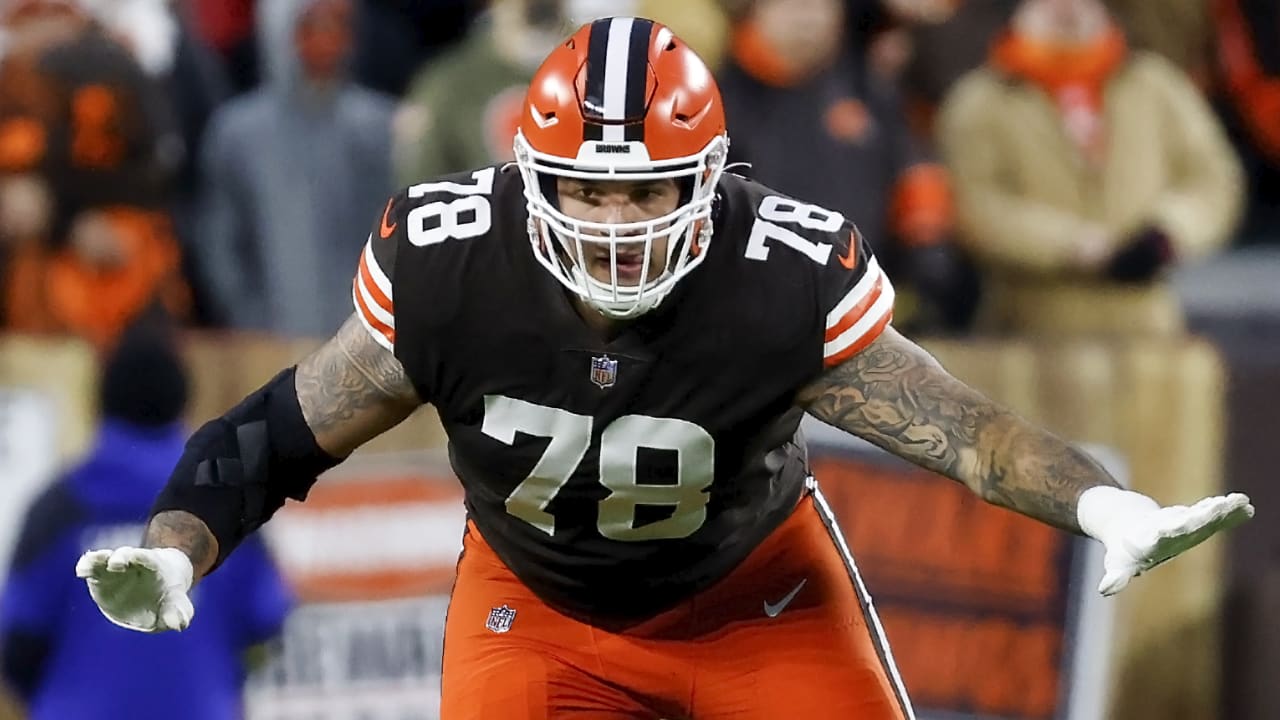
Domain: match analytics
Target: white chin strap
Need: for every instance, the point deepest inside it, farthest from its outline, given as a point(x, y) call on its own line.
point(617, 302)
point(629, 304)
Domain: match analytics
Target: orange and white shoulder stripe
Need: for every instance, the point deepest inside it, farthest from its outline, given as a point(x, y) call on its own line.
point(371, 293)
point(860, 316)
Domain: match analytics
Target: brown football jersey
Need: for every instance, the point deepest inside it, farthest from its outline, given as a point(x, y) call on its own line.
point(617, 477)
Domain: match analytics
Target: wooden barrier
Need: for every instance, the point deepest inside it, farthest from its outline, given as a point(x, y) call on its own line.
point(1159, 405)
point(62, 371)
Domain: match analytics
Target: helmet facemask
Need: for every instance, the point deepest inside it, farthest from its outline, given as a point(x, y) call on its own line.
point(562, 243)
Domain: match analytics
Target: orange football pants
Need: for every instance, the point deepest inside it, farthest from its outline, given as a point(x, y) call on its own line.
point(718, 655)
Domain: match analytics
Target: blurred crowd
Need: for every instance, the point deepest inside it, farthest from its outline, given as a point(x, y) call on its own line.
point(1022, 166)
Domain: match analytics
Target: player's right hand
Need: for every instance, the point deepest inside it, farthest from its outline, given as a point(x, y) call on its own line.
point(143, 589)
point(1139, 534)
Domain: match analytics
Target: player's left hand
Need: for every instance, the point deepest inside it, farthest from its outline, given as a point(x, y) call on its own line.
point(1139, 534)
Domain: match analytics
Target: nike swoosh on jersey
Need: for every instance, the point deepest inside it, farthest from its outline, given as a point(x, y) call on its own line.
point(387, 228)
point(850, 259)
point(776, 608)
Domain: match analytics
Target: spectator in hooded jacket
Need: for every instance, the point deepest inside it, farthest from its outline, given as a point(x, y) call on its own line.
point(291, 174)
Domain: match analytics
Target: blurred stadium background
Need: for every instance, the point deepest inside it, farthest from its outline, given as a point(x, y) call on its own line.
point(218, 163)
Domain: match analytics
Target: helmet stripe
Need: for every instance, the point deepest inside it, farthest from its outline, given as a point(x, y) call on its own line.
point(617, 78)
point(637, 77)
point(593, 100)
point(617, 57)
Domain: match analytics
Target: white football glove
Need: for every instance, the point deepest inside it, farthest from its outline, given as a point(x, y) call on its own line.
point(1139, 534)
point(143, 589)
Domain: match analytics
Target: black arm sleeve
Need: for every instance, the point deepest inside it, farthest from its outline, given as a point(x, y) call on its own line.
point(239, 469)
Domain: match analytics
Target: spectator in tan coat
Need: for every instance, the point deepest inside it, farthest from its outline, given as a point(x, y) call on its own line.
point(1083, 171)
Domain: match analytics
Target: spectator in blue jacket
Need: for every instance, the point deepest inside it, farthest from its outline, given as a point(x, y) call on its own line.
point(57, 654)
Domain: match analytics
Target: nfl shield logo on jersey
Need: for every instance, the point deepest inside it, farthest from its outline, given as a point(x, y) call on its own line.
point(500, 619)
point(604, 371)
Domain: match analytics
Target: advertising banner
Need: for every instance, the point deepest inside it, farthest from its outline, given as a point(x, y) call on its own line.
point(371, 555)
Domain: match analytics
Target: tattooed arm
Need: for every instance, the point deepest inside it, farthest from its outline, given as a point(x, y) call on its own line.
point(350, 390)
point(897, 396)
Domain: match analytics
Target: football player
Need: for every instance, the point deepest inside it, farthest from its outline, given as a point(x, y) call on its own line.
point(620, 339)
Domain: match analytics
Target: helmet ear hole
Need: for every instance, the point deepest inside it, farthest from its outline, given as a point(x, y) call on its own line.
point(685, 185)
point(550, 189)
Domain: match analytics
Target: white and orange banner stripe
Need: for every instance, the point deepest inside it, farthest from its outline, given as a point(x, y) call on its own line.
point(373, 536)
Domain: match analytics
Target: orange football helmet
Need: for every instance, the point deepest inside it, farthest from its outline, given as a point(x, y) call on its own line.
point(623, 98)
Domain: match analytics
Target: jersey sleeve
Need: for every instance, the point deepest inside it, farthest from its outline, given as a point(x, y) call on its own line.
point(856, 296)
point(372, 292)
